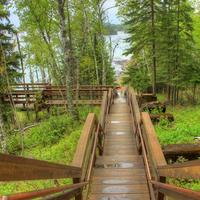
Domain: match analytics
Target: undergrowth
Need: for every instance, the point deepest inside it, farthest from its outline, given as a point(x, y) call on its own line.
point(183, 130)
point(54, 139)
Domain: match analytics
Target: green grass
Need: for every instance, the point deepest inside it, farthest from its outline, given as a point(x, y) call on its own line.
point(184, 129)
point(54, 139)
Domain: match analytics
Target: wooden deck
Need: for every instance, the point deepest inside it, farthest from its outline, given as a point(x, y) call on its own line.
point(119, 173)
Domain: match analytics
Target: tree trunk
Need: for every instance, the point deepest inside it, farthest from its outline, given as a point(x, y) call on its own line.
point(21, 59)
point(194, 94)
point(153, 47)
point(69, 60)
point(2, 135)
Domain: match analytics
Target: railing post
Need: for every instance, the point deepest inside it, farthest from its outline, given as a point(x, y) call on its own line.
point(80, 195)
point(161, 196)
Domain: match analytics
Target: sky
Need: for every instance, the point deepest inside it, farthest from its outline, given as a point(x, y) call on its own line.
point(110, 12)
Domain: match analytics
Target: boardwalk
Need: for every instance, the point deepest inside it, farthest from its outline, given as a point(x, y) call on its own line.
point(119, 173)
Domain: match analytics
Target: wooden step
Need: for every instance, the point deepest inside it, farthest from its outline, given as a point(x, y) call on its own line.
point(119, 164)
point(122, 158)
point(119, 197)
point(119, 150)
point(120, 173)
point(118, 133)
point(119, 180)
point(119, 189)
point(116, 142)
point(103, 172)
point(112, 137)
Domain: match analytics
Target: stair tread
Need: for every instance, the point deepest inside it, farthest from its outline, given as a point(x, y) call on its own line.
point(119, 197)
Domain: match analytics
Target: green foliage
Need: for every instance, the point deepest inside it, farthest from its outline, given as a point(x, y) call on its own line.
point(49, 131)
point(137, 76)
point(166, 32)
point(183, 130)
point(8, 55)
point(55, 140)
point(186, 183)
point(43, 48)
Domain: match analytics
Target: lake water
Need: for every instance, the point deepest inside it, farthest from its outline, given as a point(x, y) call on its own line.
point(122, 45)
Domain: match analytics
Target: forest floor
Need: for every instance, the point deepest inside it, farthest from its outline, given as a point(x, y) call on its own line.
point(183, 130)
point(54, 139)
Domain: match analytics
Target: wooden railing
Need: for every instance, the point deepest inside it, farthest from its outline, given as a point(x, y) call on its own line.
point(157, 169)
point(13, 168)
point(26, 94)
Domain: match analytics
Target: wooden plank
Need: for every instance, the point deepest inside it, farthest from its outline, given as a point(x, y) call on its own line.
point(103, 110)
point(13, 168)
point(64, 102)
point(181, 149)
point(88, 129)
point(154, 145)
point(120, 189)
point(118, 172)
point(116, 158)
point(119, 180)
point(190, 169)
point(176, 192)
point(135, 106)
point(119, 197)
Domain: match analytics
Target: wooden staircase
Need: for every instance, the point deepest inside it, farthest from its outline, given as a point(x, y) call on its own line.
point(119, 173)
point(117, 157)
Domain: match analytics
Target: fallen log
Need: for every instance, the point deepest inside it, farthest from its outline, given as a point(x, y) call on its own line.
point(145, 98)
point(157, 117)
point(154, 105)
point(189, 151)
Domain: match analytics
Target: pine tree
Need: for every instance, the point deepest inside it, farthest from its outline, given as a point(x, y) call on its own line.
point(8, 67)
point(140, 20)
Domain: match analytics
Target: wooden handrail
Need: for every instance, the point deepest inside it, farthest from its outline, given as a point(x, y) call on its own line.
point(190, 169)
point(88, 129)
point(152, 154)
point(176, 192)
point(154, 146)
point(13, 168)
point(103, 109)
point(42, 193)
point(135, 106)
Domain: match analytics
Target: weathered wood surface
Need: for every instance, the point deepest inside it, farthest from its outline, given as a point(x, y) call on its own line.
point(53, 95)
point(87, 131)
point(13, 168)
point(155, 149)
point(190, 169)
point(120, 172)
point(175, 150)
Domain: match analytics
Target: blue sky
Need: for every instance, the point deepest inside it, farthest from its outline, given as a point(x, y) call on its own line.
point(112, 14)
